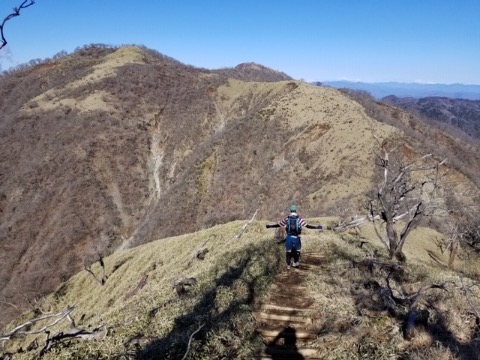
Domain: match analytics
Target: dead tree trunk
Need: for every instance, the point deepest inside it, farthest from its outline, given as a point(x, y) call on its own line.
point(408, 191)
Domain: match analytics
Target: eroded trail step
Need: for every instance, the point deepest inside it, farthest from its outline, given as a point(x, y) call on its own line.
point(285, 320)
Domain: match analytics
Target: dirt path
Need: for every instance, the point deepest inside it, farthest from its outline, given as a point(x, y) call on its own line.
point(285, 318)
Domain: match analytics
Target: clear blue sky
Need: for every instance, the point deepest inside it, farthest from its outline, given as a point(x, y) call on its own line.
point(432, 41)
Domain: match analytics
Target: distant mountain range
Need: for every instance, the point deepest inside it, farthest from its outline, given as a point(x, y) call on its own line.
point(382, 89)
point(460, 113)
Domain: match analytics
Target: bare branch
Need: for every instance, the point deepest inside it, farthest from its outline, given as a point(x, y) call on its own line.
point(97, 334)
point(245, 226)
point(140, 285)
point(9, 303)
point(59, 316)
point(190, 341)
point(16, 12)
point(390, 290)
point(469, 300)
point(101, 280)
point(413, 310)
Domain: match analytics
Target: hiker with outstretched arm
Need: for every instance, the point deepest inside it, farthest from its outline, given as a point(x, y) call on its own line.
point(293, 225)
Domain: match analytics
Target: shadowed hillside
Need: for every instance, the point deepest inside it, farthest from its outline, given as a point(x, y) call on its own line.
point(109, 148)
point(459, 113)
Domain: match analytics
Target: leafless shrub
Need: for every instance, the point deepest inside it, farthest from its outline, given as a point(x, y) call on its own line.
point(346, 210)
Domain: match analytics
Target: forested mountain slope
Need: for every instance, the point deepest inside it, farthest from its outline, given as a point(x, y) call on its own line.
point(109, 148)
point(459, 113)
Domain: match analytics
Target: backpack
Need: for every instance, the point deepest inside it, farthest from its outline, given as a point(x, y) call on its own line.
point(293, 225)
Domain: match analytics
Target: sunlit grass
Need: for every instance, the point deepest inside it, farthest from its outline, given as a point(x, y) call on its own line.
point(352, 316)
point(233, 274)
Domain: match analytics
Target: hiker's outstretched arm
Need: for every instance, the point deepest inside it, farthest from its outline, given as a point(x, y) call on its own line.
point(273, 226)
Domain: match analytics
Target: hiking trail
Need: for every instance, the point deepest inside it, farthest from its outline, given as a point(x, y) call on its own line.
point(286, 318)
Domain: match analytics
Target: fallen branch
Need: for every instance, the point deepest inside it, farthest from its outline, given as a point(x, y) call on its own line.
point(96, 334)
point(362, 220)
point(199, 254)
point(140, 285)
point(245, 227)
point(17, 330)
point(190, 340)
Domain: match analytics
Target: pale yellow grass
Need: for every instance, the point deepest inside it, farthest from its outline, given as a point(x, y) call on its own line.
point(230, 98)
point(332, 130)
point(98, 100)
point(163, 262)
point(423, 246)
point(343, 327)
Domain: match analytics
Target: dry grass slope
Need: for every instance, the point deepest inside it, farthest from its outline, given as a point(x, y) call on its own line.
point(351, 315)
point(233, 273)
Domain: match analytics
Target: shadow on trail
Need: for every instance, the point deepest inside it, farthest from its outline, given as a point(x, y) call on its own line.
point(289, 348)
point(215, 337)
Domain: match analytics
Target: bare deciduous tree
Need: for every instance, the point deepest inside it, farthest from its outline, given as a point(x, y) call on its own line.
point(409, 190)
point(461, 232)
point(16, 12)
point(455, 229)
point(459, 218)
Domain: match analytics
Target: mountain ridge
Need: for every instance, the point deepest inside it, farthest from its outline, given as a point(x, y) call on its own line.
point(140, 311)
point(416, 90)
point(461, 114)
point(253, 72)
point(110, 148)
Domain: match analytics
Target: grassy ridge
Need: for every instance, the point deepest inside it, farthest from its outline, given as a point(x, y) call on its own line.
point(355, 315)
point(233, 274)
